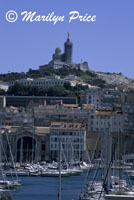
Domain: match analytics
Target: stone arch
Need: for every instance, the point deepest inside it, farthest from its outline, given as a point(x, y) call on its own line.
point(26, 147)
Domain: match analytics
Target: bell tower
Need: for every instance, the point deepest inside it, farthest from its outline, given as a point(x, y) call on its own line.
point(68, 50)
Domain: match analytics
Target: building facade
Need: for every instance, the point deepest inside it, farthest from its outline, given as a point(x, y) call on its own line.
point(27, 143)
point(92, 96)
point(70, 138)
point(40, 82)
point(24, 101)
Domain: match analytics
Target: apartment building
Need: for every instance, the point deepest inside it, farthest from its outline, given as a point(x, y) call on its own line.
point(69, 139)
point(93, 96)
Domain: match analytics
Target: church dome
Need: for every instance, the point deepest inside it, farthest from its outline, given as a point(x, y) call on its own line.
point(58, 51)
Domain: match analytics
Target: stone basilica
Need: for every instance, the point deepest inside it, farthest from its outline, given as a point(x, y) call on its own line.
point(61, 60)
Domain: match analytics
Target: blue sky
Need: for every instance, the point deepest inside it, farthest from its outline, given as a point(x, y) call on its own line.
point(107, 44)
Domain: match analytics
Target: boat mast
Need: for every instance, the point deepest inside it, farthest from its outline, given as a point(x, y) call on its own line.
point(120, 158)
point(1, 142)
point(106, 156)
point(1, 122)
point(59, 192)
point(21, 148)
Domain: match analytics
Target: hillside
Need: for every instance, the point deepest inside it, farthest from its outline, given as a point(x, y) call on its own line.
point(114, 79)
point(88, 76)
point(100, 79)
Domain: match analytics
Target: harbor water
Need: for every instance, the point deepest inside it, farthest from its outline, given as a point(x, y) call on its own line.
point(46, 188)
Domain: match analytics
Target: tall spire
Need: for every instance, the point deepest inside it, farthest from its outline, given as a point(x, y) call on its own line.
point(68, 50)
point(68, 36)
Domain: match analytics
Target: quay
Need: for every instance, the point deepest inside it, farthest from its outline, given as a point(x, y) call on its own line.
point(119, 197)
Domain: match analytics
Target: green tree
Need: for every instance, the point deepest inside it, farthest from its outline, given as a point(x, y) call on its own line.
point(2, 92)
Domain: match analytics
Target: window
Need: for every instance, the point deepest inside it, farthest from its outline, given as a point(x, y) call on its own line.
point(92, 122)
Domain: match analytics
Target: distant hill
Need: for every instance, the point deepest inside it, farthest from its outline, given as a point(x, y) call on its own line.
point(88, 76)
point(100, 79)
point(114, 79)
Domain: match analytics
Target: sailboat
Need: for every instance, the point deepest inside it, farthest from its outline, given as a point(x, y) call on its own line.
point(4, 184)
point(110, 186)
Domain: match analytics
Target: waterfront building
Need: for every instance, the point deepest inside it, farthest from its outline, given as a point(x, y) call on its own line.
point(28, 129)
point(73, 141)
point(28, 143)
point(32, 125)
point(35, 144)
point(108, 121)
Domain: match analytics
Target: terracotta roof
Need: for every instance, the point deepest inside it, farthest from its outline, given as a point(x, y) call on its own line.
point(66, 126)
point(105, 109)
point(88, 106)
point(38, 130)
point(47, 106)
point(58, 105)
point(103, 113)
point(71, 105)
point(42, 130)
point(56, 123)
